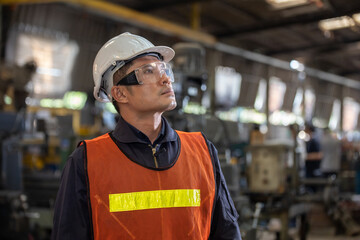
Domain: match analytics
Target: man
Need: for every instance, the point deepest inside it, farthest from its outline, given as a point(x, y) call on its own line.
point(314, 153)
point(331, 149)
point(143, 180)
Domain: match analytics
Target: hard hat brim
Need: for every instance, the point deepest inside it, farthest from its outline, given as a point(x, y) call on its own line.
point(166, 52)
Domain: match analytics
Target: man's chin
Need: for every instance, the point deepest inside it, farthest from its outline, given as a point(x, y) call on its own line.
point(172, 106)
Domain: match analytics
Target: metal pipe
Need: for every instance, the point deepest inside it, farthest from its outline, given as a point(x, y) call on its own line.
point(286, 65)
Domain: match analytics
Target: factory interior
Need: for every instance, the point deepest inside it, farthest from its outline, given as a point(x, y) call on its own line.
point(261, 79)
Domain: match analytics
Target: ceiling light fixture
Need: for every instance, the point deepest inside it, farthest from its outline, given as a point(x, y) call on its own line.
point(279, 4)
point(296, 65)
point(356, 18)
point(336, 23)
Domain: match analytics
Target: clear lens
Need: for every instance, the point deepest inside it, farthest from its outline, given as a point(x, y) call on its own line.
point(153, 72)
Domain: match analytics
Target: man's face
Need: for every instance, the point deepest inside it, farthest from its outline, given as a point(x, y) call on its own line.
point(153, 96)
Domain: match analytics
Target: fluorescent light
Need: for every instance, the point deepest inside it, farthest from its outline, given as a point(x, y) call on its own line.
point(356, 17)
point(260, 96)
point(336, 23)
point(278, 4)
point(335, 115)
point(298, 100)
point(277, 89)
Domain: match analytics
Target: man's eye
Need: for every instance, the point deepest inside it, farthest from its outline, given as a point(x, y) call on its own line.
point(148, 71)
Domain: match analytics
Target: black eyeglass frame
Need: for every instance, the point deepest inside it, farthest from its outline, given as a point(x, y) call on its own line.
point(132, 78)
point(129, 80)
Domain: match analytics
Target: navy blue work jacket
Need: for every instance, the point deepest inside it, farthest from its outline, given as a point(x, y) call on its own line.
point(71, 216)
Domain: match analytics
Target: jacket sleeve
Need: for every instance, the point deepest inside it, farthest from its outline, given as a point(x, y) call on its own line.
point(224, 225)
point(71, 215)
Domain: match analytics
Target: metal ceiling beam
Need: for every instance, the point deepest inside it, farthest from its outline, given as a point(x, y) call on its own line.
point(136, 18)
point(147, 21)
point(143, 20)
point(286, 22)
point(285, 65)
point(7, 2)
point(337, 44)
point(155, 5)
point(243, 12)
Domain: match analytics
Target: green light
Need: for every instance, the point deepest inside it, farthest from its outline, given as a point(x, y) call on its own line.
point(46, 102)
point(243, 115)
point(194, 108)
point(58, 103)
point(75, 100)
point(110, 107)
point(7, 100)
point(51, 103)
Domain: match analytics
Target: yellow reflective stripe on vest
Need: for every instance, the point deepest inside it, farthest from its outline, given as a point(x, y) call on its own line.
point(154, 199)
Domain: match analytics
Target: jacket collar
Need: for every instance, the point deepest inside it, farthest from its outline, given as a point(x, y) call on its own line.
point(126, 133)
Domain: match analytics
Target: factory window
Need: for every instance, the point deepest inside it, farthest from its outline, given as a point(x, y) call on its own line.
point(260, 96)
point(350, 114)
point(298, 100)
point(282, 4)
point(284, 118)
point(54, 59)
point(310, 99)
point(227, 86)
point(276, 93)
point(335, 115)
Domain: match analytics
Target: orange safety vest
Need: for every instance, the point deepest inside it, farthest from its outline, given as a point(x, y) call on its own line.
point(129, 201)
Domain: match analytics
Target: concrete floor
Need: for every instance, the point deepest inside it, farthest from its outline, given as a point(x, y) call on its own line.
point(328, 233)
point(321, 228)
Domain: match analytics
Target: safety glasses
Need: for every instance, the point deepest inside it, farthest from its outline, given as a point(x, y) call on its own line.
point(148, 73)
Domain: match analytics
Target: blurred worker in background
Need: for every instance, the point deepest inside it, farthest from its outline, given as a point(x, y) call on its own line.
point(313, 153)
point(143, 180)
point(331, 149)
point(13, 84)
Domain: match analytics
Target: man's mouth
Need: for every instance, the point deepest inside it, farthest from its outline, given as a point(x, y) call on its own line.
point(168, 91)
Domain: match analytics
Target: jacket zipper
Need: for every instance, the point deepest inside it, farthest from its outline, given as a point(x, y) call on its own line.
point(153, 152)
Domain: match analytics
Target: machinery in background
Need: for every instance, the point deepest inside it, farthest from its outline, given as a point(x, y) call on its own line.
point(258, 172)
point(13, 202)
point(272, 176)
point(264, 173)
point(14, 217)
point(276, 179)
point(190, 73)
point(24, 143)
point(11, 127)
point(266, 170)
point(30, 176)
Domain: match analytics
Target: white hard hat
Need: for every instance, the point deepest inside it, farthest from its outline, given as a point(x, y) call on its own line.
point(114, 54)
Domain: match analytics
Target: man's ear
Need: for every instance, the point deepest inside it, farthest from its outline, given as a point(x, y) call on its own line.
point(119, 93)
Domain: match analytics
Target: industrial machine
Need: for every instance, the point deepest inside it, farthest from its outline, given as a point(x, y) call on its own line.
point(268, 167)
point(190, 73)
point(26, 195)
